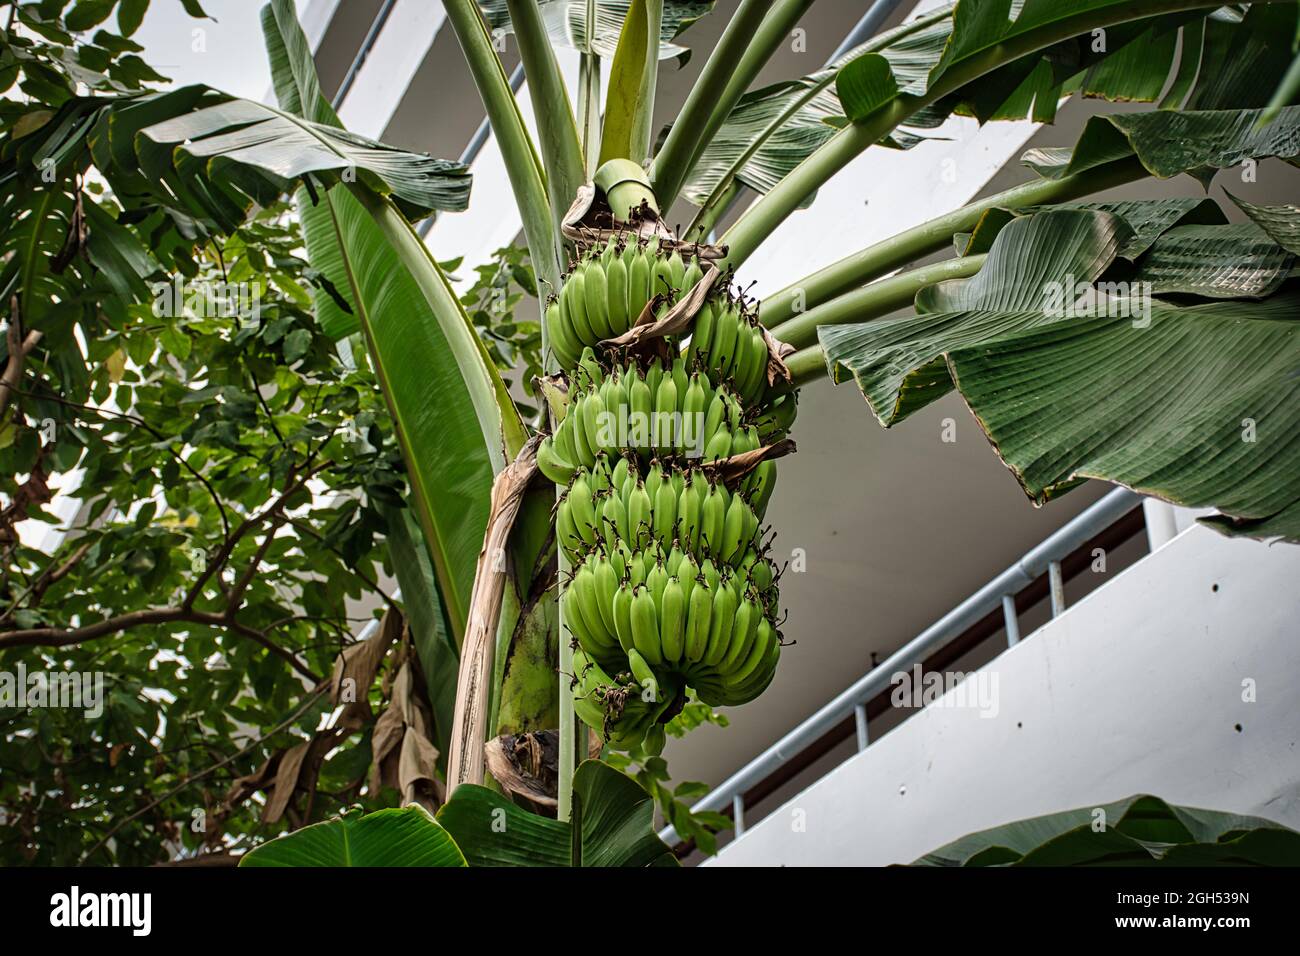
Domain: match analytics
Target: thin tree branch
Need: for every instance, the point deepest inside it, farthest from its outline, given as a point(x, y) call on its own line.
point(61, 637)
point(140, 422)
point(19, 348)
point(248, 524)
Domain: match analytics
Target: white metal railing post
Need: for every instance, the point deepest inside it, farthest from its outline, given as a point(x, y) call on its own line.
point(1057, 587)
point(1010, 620)
point(738, 813)
point(860, 720)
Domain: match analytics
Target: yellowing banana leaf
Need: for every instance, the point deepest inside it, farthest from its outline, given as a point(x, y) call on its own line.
point(1141, 830)
point(432, 635)
point(394, 837)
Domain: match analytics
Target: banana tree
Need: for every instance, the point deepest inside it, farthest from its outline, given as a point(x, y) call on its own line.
point(620, 541)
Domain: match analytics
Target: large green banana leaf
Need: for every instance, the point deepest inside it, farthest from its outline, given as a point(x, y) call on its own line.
point(1148, 220)
point(394, 837)
point(772, 130)
point(1282, 223)
point(566, 23)
point(613, 825)
point(1195, 403)
point(1138, 831)
point(1219, 262)
point(450, 408)
point(1200, 407)
point(1167, 142)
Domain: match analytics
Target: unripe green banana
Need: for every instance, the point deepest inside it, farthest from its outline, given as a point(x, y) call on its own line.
point(723, 621)
point(645, 627)
point(763, 641)
point(663, 278)
point(697, 352)
point(748, 614)
point(565, 530)
point(665, 511)
point(698, 619)
point(581, 508)
point(616, 292)
point(576, 425)
point(552, 465)
point(653, 376)
point(722, 346)
point(606, 586)
point(665, 413)
point(719, 446)
point(639, 517)
point(715, 417)
point(677, 271)
point(672, 620)
point(733, 527)
point(656, 580)
point(638, 284)
point(757, 382)
point(681, 382)
point(593, 418)
point(623, 617)
point(596, 296)
point(689, 504)
point(574, 302)
point(615, 522)
point(562, 344)
point(692, 275)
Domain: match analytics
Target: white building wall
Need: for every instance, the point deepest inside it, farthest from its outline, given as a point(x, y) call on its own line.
point(1141, 687)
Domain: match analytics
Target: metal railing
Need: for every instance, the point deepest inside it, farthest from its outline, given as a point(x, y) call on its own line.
point(999, 594)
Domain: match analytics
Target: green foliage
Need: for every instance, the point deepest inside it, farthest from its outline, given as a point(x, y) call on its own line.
point(236, 482)
point(493, 304)
point(611, 826)
point(395, 837)
point(651, 771)
point(195, 434)
point(1138, 831)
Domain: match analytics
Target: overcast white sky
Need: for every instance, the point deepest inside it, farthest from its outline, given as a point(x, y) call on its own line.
point(228, 54)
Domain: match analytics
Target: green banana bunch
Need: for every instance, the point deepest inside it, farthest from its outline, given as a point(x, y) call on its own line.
point(674, 624)
point(728, 343)
point(622, 708)
point(665, 505)
point(608, 288)
point(659, 413)
point(670, 590)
